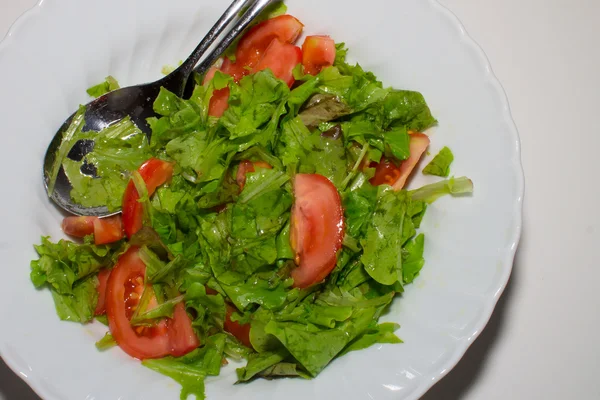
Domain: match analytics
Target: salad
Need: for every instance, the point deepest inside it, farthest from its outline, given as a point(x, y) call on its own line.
point(266, 218)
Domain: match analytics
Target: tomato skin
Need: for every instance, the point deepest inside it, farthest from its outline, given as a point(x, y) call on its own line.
point(103, 276)
point(247, 166)
point(252, 45)
point(249, 53)
point(235, 69)
point(128, 268)
point(386, 172)
point(317, 228)
point(219, 102)
point(106, 230)
point(280, 58)
point(170, 337)
point(78, 226)
point(240, 331)
point(154, 172)
point(181, 334)
point(317, 52)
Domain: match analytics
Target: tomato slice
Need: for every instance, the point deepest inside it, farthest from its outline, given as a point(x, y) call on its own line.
point(240, 331)
point(181, 334)
point(253, 44)
point(280, 58)
point(103, 276)
point(78, 226)
point(124, 289)
point(317, 228)
point(108, 230)
point(219, 102)
point(386, 172)
point(317, 52)
point(154, 172)
point(247, 166)
point(236, 69)
point(105, 230)
point(249, 53)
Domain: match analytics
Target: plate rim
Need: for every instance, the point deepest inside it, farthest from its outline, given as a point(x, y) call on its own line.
point(428, 380)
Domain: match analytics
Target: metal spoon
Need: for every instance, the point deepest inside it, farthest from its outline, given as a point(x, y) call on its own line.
point(136, 102)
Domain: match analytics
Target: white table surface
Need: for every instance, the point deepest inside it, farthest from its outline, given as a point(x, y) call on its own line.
point(542, 341)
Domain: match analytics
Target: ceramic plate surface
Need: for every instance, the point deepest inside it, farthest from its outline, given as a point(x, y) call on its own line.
point(60, 48)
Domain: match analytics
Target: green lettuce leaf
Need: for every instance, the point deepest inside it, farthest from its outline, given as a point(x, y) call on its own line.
point(452, 186)
point(79, 305)
point(382, 333)
point(191, 370)
point(382, 245)
point(412, 258)
point(440, 165)
point(62, 264)
point(118, 150)
point(102, 88)
point(313, 347)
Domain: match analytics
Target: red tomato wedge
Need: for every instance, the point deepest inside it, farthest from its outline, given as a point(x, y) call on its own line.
point(280, 58)
point(78, 226)
point(181, 334)
point(253, 44)
point(247, 166)
point(240, 331)
point(108, 230)
point(317, 52)
point(386, 172)
point(317, 228)
point(154, 172)
point(124, 289)
point(105, 230)
point(235, 69)
point(219, 102)
point(249, 53)
point(102, 283)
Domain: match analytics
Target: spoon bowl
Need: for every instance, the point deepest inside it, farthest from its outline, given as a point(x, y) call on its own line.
point(137, 103)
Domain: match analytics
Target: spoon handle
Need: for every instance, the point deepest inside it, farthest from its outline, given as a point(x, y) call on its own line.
point(188, 65)
point(253, 11)
point(177, 80)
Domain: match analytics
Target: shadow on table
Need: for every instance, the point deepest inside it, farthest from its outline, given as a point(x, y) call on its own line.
point(13, 387)
point(460, 380)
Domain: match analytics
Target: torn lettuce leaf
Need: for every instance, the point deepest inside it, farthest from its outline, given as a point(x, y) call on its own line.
point(440, 164)
point(213, 245)
point(191, 370)
point(80, 303)
point(102, 88)
point(453, 186)
point(117, 151)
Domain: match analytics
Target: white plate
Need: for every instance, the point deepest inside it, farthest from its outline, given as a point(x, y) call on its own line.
point(59, 48)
